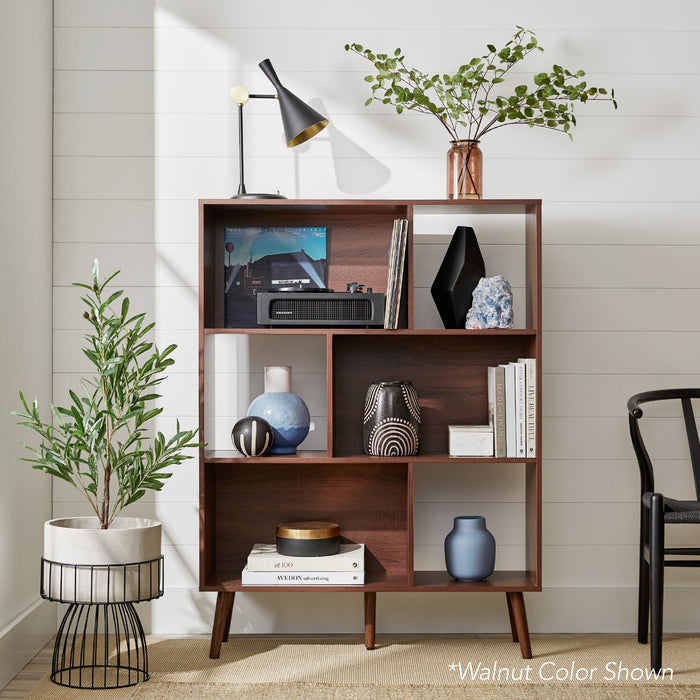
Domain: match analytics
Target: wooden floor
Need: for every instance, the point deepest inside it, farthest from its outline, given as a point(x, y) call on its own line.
point(30, 675)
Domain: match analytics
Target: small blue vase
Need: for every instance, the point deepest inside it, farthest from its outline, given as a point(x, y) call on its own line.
point(286, 412)
point(470, 549)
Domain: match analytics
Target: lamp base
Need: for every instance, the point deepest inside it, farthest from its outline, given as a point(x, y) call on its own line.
point(258, 195)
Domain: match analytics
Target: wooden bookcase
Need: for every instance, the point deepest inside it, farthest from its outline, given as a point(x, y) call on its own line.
point(241, 499)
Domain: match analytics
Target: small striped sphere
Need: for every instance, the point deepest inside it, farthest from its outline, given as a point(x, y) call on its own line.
point(252, 436)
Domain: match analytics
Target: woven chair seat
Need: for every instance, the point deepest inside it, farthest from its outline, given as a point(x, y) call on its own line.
point(677, 511)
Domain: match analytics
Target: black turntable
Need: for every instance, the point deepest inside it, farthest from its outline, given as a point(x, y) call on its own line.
point(321, 307)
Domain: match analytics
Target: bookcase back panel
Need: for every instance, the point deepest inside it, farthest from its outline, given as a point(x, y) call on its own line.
point(357, 243)
point(449, 373)
point(369, 504)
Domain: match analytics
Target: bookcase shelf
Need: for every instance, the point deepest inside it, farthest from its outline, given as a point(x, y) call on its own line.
point(321, 457)
point(372, 498)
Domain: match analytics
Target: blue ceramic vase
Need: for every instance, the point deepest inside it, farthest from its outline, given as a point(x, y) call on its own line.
point(470, 549)
point(286, 412)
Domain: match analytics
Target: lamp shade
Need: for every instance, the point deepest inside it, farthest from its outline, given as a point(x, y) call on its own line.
point(300, 121)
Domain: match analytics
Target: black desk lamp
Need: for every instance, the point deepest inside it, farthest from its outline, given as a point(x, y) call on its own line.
point(300, 122)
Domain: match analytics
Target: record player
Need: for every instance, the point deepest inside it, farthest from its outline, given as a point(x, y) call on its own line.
point(321, 307)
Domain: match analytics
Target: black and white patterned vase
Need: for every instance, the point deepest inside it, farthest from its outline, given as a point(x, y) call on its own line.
point(252, 436)
point(391, 420)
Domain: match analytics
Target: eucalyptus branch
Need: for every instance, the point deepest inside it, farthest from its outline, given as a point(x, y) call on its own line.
point(466, 98)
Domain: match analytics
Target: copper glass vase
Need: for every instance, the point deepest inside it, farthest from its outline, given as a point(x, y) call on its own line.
point(464, 170)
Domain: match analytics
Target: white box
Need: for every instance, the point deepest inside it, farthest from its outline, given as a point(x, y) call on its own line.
point(471, 440)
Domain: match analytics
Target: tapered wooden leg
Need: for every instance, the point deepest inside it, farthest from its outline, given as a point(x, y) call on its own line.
point(222, 622)
point(513, 628)
point(370, 617)
point(516, 604)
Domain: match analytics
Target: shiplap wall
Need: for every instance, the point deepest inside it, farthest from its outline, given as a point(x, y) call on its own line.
point(144, 126)
point(27, 621)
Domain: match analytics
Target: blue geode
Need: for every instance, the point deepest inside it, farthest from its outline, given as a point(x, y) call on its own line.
point(492, 304)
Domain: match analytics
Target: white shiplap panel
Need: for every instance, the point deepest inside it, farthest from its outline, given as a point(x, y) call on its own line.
point(608, 438)
point(613, 266)
point(593, 480)
point(351, 135)
point(603, 524)
point(217, 48)
point(581, 352)
point(99, 221)
point(143, 265)
point(606, 309)
point(173, 308)
point(605, 567)
point(595, 15)
point(603, 394)
point(181, 565)
point(621, 223)
point(590, 523)
point(586, 438)
point(343, 95)
point(314, 174)
point(120, 92)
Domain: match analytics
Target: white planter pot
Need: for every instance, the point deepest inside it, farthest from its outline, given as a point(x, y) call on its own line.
point(84, 564)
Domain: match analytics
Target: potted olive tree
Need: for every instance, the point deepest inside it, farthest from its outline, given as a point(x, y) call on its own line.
point(479, 98)
point(102, 443)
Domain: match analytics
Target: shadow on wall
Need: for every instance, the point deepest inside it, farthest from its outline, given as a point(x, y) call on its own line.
point(356, 171)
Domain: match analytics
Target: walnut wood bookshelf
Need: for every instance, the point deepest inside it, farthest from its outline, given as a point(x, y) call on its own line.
point(241, 499)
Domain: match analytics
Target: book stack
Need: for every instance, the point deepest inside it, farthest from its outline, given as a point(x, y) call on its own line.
point(397, 256)
point(266, 567)
point(512, 396)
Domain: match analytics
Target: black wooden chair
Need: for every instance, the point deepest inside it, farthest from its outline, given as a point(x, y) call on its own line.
point(657, 511)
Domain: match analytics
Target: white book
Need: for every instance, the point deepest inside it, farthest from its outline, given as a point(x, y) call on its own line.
point(530, 404)
point(302, 578)
point(509, 375)
point(520, 410)
point(264, 557)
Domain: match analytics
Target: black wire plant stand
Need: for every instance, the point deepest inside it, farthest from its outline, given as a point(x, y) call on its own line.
point(100, 642)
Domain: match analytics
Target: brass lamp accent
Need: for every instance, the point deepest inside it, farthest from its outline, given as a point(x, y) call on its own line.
point(300, 122)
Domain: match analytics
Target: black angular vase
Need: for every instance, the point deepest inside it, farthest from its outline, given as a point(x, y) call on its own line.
point(391, 420)
point(459, 273)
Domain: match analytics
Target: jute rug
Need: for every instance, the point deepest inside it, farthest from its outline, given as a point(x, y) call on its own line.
point(460, 666)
